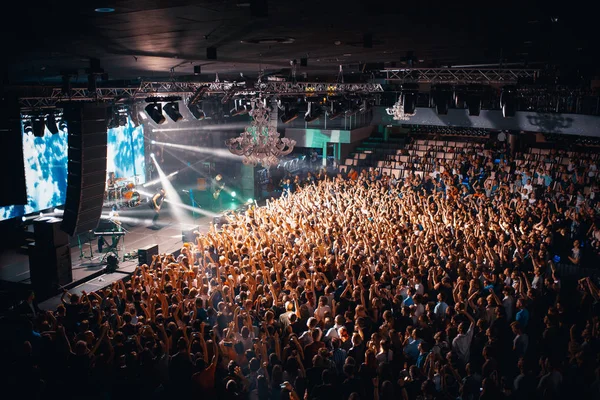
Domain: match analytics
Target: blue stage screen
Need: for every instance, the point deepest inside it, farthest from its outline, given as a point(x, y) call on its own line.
point(125, 152)
point(45, 173)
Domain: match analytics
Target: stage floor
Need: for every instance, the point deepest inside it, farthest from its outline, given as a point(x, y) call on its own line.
point(87, 266)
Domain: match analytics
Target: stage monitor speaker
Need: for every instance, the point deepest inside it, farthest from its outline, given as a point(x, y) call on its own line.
point(47, 232)
point(188, 235)
point(145, 254)
point(50, 268)
point(87, 166)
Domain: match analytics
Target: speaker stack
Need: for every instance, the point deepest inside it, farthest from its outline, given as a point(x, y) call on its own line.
point(86, 124)
point(50, 257)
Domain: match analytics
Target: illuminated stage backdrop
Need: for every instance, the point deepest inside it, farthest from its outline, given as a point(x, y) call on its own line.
point(45, 173)
point(125, 152)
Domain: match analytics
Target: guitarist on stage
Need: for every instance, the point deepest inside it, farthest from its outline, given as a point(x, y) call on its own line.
point(217, 186)
point(155, 204)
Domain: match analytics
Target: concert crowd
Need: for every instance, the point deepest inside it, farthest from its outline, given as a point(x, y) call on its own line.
point(352, 286)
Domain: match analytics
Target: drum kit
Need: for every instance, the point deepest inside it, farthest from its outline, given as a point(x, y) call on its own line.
point(123, 193)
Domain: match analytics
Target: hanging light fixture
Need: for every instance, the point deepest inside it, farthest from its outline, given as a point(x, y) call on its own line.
point(398, 110)
point(260, 142)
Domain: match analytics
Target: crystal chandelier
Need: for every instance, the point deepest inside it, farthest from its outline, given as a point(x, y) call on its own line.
point(260, 142)
point(398, 111)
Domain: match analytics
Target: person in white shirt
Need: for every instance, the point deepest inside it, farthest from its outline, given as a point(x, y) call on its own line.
point(461, 344)
point(333, 331)
point(322, 309)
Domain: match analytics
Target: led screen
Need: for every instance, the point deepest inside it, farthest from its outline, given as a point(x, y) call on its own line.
point(125, 152)
point(45, 173)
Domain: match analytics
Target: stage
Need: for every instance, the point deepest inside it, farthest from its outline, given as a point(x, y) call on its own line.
point(88, 269)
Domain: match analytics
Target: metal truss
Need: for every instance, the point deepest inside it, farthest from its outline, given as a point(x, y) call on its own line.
point(184, 89)
point(459, 75)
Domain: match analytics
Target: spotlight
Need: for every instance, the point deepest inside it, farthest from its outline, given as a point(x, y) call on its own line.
point(196, 110)
point(154, 111)
point(153, 142)
point(51, 123)
point(62, 125)
point(233, 194)
point(27, 128)
point(289, 113)
point(23, 218)
point(239, 109)
point(508, 101)
point(442, 95)
point(313, 112)
point(39, 126)
point(151, 155)
point(474, 96)
point(474, 104)
point(410, 91)
point(172, 110)
point(249, 201)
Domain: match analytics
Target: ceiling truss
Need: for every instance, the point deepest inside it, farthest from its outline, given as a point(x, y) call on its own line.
point(459, 75)
point(55, 95)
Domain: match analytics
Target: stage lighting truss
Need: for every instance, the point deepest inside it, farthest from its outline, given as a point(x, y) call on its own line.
point(460, 75)
point(260, 142)
point(50, 97)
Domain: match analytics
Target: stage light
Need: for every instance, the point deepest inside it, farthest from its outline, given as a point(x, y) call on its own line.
point(508, 101)
point(153, 142)
point(172, 110)
point(27, 128)
point(23, 218)
point(289, 113)
point(51, 123)
point(39, 126)
point(233, 194)
point(62, 125)
point(196, 110)
point(239, 108)
point(442, 96)
point(313, 112)
point(250, 200)
point(151, 155)
point(154, 111)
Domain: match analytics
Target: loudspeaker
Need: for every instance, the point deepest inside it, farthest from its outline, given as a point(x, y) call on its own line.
point(188, 236)
point(12, 181)
point(47, 232)
point(211, 53)
point(145, 254)
point(87, 166)
point(50, 268)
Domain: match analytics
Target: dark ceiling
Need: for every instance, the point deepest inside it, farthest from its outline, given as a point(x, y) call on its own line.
point(154, 39)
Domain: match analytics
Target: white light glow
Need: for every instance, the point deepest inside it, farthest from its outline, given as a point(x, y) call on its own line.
point(221, 153)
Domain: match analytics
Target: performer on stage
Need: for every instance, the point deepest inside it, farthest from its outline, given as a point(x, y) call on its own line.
point(217, 186)
point(155, 204)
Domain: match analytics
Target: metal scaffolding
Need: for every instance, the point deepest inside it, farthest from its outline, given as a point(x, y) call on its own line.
point(459, 75)
point(51, 96)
